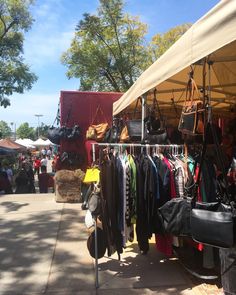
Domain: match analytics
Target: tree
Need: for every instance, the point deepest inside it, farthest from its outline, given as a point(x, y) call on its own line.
point(161, 42)
point(15, 75)
point(24, 131)
point(43, 130)
point(5, 130)
point(108, 51)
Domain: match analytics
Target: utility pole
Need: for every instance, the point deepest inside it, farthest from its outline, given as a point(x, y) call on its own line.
point(38, 116)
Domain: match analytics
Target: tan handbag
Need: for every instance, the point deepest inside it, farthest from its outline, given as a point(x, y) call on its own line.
point(100, 130)
point(97, 131)
point(91, 133)
point(124, 136)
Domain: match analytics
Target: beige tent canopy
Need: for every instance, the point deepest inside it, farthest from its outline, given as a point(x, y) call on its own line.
point(211, 39)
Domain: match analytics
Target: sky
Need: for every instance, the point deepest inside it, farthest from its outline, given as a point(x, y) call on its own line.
point(51, 35)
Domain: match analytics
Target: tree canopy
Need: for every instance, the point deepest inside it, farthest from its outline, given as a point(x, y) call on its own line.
point(25, 131)
point(161, 42)
point(109, 50)
point(5, 130)
point(15, 75)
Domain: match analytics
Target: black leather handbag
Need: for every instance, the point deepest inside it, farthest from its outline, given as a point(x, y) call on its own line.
point(54, 135)
point(214, 223)
point(176, 216)
point(155, 130)
point(134, 126)
point(215, 228)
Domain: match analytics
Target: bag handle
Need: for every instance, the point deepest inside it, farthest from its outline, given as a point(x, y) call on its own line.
point(136, 106)
point(96, 113)
point(156, 105)
point(191, 88)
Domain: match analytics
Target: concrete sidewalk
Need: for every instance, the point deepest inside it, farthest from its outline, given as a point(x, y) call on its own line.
point(43, 250)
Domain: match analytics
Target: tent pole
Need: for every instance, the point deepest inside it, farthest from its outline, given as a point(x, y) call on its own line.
point(143, 114)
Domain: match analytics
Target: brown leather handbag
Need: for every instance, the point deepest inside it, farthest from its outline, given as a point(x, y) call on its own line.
point(192, 116)
point(124, 136)
point(97, 131)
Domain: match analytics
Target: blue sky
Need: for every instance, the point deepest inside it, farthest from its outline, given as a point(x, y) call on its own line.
point(51, 34)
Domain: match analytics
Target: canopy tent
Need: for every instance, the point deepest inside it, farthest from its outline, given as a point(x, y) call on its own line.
point(48, 142)
point(10, 144)
point(42, 143)
point(27, 142)
point(6, 151)
point(211, 39)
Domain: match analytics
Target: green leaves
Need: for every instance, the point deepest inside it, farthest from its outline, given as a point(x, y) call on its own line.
point(5, 130)
point(15, 75)
point(107, 52)
point(25, 131)
point(161, 42)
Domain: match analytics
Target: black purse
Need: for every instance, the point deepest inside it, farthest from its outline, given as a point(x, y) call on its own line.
point(134, 126)
point(176, 216)
point(214, 223)
point(155, 130)
point(207, 223)
point(54, 135)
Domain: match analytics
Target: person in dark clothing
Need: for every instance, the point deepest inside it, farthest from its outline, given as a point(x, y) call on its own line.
point(22, 182)
point(44, 179)
point(5, 184)
point(30, 173)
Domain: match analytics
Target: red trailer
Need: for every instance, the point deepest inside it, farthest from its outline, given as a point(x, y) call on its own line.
point(79, 108)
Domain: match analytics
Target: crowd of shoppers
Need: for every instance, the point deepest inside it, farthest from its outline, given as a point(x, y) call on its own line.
point(29, 172)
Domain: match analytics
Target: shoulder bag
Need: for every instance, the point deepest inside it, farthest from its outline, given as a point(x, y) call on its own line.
point(214, 223)
point(134, 126)
point(155, 129)
point(97, 131)
point(192, 116)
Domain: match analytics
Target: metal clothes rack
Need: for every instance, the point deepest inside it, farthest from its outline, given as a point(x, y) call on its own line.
point(173, 147)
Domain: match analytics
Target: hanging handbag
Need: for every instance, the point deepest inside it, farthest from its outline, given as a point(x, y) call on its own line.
point(112, 135)
point(95, 204)
point(192, 116)
point(155, 130)
point(124, 136)
point(92, 175)
point(97, 131)
point(54, 135)
point(176, 216)
point(134, 126)
point(214, 224)
point(91, 133)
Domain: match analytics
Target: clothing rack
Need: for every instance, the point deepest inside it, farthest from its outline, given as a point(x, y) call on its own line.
point(173, 147)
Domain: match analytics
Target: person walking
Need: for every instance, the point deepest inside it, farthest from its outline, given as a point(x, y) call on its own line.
point(44, 178)
point(44, 162)
point(37, 165)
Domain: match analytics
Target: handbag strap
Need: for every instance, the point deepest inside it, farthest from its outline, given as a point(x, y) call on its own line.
point(156, 105)
point(96, 113)
point(210, 128)
point(136, 106)
point(191, 88)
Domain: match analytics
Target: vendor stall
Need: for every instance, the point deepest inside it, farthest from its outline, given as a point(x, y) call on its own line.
point(205, 55)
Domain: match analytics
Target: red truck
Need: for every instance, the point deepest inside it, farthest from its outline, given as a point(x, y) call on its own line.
point(79, 108)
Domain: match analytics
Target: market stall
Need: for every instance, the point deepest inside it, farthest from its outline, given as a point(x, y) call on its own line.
point(205, 53)
point(211, 40)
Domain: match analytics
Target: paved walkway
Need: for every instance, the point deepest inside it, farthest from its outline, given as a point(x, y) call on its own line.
point(43, 251)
